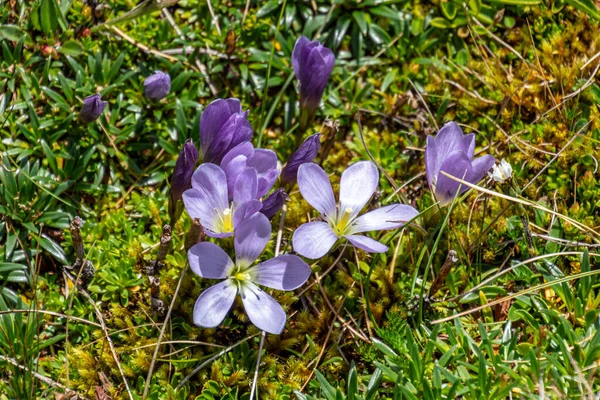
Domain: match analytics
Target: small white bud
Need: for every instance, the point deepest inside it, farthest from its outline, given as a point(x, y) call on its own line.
point(501, 172)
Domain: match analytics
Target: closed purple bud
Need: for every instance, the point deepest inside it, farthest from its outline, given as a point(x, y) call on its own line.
point(307, 152)
point(157, 86)
point(92, 107)
point(273, 203)
point(312, 64)
point(223, 126)
point(181, 180)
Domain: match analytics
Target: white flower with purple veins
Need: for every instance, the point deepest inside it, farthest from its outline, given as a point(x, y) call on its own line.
point(358, 183)
point(285, 272)
point(452, 151)
point(501, 172)
point(209, 199)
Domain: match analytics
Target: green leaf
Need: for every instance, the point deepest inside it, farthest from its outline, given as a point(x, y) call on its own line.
point(71, 48)
point(449, 10)
point(53, 248)
point(587, 6)
point(11, 32)
point(48, 17)
point(361, 21)
point(439, 22)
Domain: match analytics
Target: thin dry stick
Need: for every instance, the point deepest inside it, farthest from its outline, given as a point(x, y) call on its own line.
point(255, 380)
point(514, 295)
point(56, 314)
point(318, 280)
point(104, 329)
point(162, 332)
point(437, 128)
point(42, 378)
point(394, 257)
point(525, 202)
point(213, 16)
point(179, 342)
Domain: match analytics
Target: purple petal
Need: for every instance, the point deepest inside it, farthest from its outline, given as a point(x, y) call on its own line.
point(388, 217)
point(286, 272)
point(314, 239)
point(157, 86)
point(213, 304)
point(181, 180)
point(208, 195)
point(245, 187)
point(251, 237)
point(209, 261)
point(213, 118)
point(459, 165)
point(306, 153)
point(366, 243)
point(91, 109)
point(265, 163)
point(262, 309)
point(273, 203)
point(246, 210)
point(316, 189)
point(357, 185)
point(449, 139)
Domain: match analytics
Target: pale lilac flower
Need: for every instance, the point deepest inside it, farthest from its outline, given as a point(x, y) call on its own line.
point(452, 151)
point(223, 126)
point(181, 180)
point(244, 156)
point(91, 109)
point(285, 272)
point(312, 64)
point(273, 203)
point(209, 200)
point(157, 86)
point(358, 183)
point(305, 153)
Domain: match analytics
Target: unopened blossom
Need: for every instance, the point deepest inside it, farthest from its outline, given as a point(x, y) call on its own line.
point(209, 200)
point(307, 152)
point(312, 64)
point(244, 156)
point(91, 109)
point(157, 86)
point(285, 272)
point(342, 220)
point(223, 126)
point(181, 180)
point(452, 152)
point(273, 203)
point(501, 172)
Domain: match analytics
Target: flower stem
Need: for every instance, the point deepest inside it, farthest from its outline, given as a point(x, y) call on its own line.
point(255, 380)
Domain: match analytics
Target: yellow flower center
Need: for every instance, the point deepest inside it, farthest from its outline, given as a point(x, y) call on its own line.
point(342, 223)
point(227, 221)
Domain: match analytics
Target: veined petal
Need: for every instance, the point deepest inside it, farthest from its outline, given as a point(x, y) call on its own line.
point(245, 187)
point(262, 309)
point(459, 165)
point(449, 139)
point(285, 272)
point(245, 210)
point(209, 261)
point(357, 185)
point(265, 164)
point(314, 239)
point(388, 217)
point(316, 189)
point(212, 182)
point(213, 304)
point(213, 118)
point(367, 244)
point(251, 237)
point(199, 205)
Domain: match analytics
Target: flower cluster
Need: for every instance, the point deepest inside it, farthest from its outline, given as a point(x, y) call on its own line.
point(234, 193)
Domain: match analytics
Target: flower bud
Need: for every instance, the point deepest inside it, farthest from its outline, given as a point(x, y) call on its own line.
point(273, 203)
point(307, 152)
point(92, 107)
point(312, 64)
point(181, 180)
point(157, 86)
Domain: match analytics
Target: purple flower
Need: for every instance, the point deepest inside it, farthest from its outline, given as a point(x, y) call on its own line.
point(285, 272)
point(358, 183)
point(181, 180)
point(209, 199)
point(222, 127)
point(157, 86)
point(312, 64)
point(92, 107)
point(307, 152)
point(452, 151)
point(244, 156)
point(273, 203)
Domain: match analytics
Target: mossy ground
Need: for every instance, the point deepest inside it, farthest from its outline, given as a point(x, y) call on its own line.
point(522, 77)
